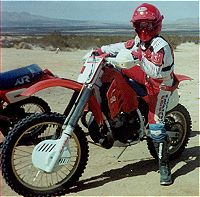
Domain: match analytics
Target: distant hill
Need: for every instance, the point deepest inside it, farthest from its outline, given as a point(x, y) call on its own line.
point(194, 21)
point(14, 19)
point(187, 24)
point(23, 22)
point(19, 19)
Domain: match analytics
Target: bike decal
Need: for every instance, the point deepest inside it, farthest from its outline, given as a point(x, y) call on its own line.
point(22, 80)
point(13, 96)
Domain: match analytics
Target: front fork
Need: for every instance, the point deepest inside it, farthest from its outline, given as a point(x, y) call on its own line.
point(76, 112)
point(67, 129)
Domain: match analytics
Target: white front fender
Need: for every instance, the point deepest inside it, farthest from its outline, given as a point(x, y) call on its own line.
point(173, 100)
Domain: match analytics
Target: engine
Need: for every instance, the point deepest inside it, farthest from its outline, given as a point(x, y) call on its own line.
point(125, 127)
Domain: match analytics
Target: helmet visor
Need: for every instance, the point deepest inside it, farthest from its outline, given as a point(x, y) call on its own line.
point(141, 25)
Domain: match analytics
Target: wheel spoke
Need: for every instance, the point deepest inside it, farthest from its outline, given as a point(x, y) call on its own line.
point(23, 151)
point(29, 164)
point(36, 176)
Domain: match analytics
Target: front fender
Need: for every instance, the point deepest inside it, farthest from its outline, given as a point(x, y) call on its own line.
point(66, 83)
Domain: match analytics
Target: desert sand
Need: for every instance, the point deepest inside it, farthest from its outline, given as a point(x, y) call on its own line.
point(135, 173)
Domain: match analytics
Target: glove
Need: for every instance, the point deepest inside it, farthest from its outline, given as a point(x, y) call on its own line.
point(97, 52)
point(137, 54)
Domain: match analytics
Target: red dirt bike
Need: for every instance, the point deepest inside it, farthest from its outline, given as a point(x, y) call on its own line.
point(114, 109)
point(14, 106)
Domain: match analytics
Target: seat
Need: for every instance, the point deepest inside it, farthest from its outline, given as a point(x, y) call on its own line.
point(19, 76)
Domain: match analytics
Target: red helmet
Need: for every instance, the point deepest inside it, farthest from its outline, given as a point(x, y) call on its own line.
point(147, 21)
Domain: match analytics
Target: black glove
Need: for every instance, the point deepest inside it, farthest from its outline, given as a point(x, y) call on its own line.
point(97, 52)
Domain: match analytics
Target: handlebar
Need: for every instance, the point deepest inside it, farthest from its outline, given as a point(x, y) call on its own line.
point(123, 59)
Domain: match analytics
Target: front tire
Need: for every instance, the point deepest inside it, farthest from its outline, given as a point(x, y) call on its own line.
point(177, 119)
point(18, 170)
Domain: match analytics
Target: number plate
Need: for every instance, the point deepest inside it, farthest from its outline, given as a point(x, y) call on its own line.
point(89, 70)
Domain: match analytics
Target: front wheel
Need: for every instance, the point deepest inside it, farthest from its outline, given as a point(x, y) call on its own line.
point(177, 120)
point(17, 166)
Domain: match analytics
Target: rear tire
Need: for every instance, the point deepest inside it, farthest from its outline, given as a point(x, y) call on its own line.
point(177, 119)
point(22, 182)
point(21, 109)
point(40, 106)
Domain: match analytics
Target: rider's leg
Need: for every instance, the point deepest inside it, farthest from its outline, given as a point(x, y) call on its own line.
point(135, 73)
point(161, 146)
point(157, 109)
point(158, 101)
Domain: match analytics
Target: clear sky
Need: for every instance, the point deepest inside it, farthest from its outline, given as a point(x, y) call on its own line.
point(116, 11)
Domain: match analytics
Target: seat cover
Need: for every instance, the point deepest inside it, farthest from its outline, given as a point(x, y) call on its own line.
point(19, 76)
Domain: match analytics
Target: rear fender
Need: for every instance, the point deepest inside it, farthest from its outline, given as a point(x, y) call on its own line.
point(65, 83)
point(174, 98)
point(182, 77)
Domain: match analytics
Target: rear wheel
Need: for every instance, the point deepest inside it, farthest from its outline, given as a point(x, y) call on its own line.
point(28, 106)
point(177, 120)
point(22, 109)
point(17, 167)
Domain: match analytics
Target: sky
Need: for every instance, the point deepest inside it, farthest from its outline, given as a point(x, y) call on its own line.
point(116, 11)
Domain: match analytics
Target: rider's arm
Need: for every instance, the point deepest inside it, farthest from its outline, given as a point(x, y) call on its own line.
point(113, 49)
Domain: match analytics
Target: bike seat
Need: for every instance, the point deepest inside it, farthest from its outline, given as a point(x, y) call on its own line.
point(19, 76)
point(139, 88)
point(136, 81)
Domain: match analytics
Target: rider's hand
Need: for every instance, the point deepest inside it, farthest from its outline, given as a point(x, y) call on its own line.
point(97, 52)
point(137, 54)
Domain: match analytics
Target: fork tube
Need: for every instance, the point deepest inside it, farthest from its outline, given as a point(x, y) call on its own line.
point(73, 120)
point(71, 111)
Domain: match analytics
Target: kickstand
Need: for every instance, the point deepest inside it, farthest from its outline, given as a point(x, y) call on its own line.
point(122, 152)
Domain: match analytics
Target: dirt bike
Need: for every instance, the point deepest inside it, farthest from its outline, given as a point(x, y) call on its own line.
point(14, 106)
point(114, 109)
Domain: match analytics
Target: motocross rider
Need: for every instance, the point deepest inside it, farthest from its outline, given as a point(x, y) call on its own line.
point(155, 71)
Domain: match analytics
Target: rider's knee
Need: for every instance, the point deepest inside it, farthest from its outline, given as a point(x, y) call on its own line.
point(157, 132)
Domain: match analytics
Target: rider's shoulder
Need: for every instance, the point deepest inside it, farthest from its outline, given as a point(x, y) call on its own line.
point(158, 43)
point(132, 43)
point(129, 44)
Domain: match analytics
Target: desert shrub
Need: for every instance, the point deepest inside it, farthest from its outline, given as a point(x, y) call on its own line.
point(64, 42)
point(176, 40)
point(24, 45)
point(6, 44)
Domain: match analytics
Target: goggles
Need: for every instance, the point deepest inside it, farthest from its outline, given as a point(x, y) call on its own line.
point(148, 25)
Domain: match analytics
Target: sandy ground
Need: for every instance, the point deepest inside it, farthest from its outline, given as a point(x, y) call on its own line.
point(135, 173)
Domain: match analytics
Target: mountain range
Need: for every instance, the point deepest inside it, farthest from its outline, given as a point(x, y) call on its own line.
point(27, 20)
point(16, 19)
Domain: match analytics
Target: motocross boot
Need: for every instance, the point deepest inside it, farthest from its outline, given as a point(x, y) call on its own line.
point(165, 171)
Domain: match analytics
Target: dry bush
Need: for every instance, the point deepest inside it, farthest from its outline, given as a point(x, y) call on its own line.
point(64, 42)
point(24, 45)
